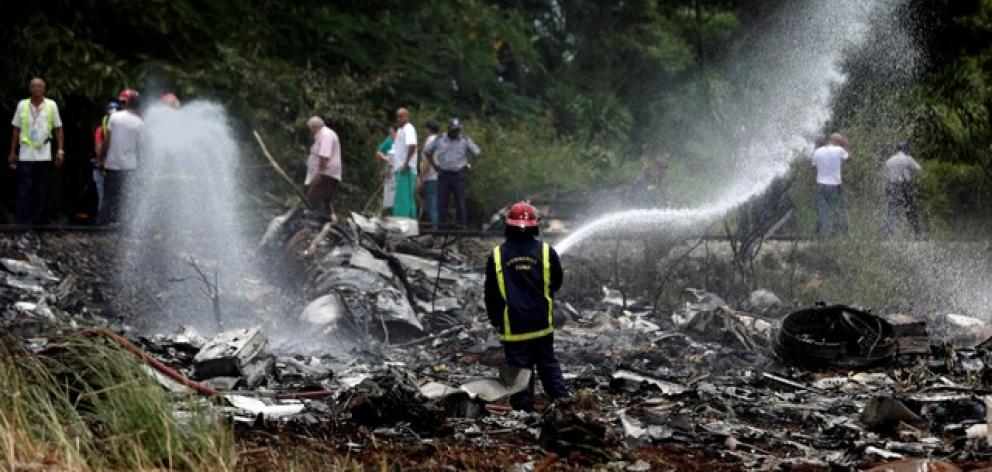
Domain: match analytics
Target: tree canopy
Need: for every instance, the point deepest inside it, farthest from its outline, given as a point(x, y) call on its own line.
point(566, 87)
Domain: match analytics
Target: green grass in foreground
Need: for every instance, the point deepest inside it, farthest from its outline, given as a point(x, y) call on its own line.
point(91, 407)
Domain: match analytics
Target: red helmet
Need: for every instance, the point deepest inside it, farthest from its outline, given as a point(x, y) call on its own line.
point(522, 214)
point(127, 95)
point(170, 99)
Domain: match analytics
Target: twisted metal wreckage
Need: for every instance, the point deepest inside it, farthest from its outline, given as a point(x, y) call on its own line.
point(403, 348)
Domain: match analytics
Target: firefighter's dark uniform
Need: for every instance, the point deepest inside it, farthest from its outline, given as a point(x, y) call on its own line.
point(522, 276)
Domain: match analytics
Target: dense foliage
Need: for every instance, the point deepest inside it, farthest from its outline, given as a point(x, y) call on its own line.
point(561, 94)
point(935, 92)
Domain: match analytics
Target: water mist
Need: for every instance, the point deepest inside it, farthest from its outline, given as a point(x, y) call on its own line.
point(792, 70)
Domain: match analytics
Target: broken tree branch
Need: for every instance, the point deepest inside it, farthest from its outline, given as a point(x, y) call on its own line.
point(365, 207)
point(210, 290)
point(663, 280)
point(279, 170)
point(312, 249)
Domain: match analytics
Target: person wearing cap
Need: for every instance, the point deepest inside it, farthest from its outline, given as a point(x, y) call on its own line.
point(98, 139)
point(119, 155)
point(899, 170)
point(828, 160)
point(427, 180)
point(522, 275)
point(449, 157)
point(36, 120)
point(323, 166)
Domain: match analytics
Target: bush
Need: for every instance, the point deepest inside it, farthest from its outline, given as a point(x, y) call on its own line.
point(528, 160)
point(953, 194)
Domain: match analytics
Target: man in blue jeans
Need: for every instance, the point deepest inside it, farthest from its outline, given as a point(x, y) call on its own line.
point(522, 275)
point(427, 177)
point(828, 159)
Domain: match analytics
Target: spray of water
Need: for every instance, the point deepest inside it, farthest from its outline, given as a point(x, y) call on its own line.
point(183, 233)
point(791, 71)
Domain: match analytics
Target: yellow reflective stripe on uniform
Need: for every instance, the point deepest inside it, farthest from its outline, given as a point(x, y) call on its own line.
point(527, 336)
point(498, 262)
point(546, 262)
point(47, 108)
point(507, 334)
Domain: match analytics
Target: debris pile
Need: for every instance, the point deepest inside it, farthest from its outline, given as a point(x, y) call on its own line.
point(394, 347)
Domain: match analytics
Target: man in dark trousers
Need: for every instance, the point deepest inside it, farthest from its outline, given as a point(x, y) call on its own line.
point(522, 274)
point(449, 155)
point(899, 171)
point(36, 121)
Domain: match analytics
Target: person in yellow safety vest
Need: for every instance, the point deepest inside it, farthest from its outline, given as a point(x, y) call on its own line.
point(35, 122)
point(522, 275)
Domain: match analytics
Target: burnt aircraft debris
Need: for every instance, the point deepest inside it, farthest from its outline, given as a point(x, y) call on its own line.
point(391, 340)
point(837, 336)
point(242, 354)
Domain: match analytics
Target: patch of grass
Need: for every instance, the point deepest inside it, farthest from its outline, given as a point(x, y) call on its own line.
point(90, 406)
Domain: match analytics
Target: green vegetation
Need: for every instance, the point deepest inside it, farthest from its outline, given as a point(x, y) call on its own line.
point(561, 95)
point(90, 406)
point(939, 97)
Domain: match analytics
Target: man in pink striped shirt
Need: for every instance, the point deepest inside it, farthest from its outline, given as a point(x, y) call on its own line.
point(323, 166)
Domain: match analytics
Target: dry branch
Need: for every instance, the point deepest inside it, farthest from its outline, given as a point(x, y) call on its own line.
point(279, 170)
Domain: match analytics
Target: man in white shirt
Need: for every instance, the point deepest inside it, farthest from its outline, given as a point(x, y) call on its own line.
point(119, 155)
point(830, 204)
point(35, 121)
point(323, 167)
point(899, 170)
point(405, 165)
point(428, 177)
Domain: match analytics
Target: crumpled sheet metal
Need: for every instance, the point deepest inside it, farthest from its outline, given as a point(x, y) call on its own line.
point(511, 380)
point(645, 424)
point(392, 225)
point(278, 232)
point(429, 268)
point(386, 294)
point(38, 310)
point(366, 292)
point(26, 276)
point(270, 409)
point(28, 271)
point(325, 311)
point(725, 326)
point(635, 379)
point(238, 353)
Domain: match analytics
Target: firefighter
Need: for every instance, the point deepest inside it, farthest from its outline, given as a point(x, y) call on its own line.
point(522, 275)
point(170, 100)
